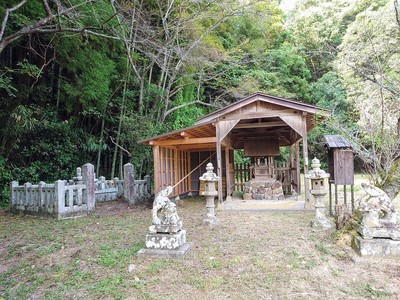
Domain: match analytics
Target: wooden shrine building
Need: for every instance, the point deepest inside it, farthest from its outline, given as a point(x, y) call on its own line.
point(259, 124)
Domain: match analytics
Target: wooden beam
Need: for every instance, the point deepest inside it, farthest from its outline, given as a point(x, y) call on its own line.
point(260, 125)
point(259, 114)
point(186, 135)
point(296, 122)
point(197, 147)
point(225, 127)
point(185, 142)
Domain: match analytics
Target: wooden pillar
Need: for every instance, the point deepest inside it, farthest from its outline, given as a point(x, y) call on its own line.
point(298, 168)
point(157, 178)
point(305, 159)
point(219, 160)
point(227, 172)
point(176, 172)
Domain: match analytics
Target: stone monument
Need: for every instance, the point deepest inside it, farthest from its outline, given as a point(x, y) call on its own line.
point(166, 238)
point(210, 193)
point(380, 229)
point(319, 191)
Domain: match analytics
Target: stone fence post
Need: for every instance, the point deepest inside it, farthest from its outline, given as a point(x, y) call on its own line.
point(13, 196)
point(148, 185)
point(88, 180)
point(41, 203)
point(129, 184)
point(59, 188)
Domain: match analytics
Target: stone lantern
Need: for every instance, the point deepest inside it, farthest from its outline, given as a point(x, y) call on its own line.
point(210, 193)
point(318, 190)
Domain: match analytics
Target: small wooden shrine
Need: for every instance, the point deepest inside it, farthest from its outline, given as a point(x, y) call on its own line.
point(340, 167)
point(259, 124)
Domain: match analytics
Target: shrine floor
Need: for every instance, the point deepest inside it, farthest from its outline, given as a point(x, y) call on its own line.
point(289, 204)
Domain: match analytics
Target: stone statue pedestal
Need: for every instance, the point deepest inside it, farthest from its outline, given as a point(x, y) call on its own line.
point(375, 247)
point(166, 238)
point(210, 193)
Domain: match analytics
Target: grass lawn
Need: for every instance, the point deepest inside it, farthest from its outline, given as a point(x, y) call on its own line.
point(251, 255)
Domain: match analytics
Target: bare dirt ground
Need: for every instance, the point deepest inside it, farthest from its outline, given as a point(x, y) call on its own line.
point(251, 255)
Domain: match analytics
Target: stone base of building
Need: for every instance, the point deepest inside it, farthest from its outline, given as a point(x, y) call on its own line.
point(376, 247)
point(269, 189)
point(165, 253)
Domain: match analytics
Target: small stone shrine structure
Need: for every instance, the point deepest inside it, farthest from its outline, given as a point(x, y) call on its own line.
point(210, 193)
point(380, 229)
point(166, 238)
point(263, 186)
point(318, 190)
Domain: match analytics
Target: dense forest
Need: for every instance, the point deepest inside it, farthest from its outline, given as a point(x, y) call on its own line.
point(84, 80)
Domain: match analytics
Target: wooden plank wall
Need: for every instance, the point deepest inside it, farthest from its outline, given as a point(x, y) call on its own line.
point(173, 166)
point(242, 174)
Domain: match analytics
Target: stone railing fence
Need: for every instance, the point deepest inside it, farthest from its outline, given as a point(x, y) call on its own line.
point(76, 197)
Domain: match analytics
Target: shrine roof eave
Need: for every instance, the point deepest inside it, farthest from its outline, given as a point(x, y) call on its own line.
point(196, 131)
point(322, 112)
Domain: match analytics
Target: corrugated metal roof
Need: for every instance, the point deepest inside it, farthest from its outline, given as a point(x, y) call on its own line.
point(336, 141)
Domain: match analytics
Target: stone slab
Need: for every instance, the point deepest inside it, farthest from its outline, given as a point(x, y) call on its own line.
point(162, 228)
point(162, 253)
point(376, 247)
point(380, 232)
point(166, 241)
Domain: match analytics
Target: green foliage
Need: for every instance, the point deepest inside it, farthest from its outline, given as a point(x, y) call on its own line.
point(5, 179)
point(288, 70)
point(186, 115)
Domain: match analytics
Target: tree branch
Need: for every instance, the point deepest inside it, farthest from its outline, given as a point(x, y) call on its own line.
point(37, 26)
point(187, 104)
point(6, 15)
point(119, 146)
point(397, 13)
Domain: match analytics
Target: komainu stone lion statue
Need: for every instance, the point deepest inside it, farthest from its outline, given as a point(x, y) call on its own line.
point(378, 205)
point(164, 211)
point(379, 215)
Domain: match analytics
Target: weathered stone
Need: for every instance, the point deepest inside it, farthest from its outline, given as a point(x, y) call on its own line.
point(319, 191)
point(166, 237)
point(157, 253)
point(165, 228)
point(247, 196)
point(129, 183)
point(264, 189)
point(88, 180)
point(210, 193)
point(380, 228)
point(376, 247)
point(166, 241)
point(258, 196)
point(277, 191)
